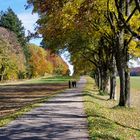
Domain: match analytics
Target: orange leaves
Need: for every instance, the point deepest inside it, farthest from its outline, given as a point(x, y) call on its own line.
point(37, 61)
point(42, 61)
point(59, 65)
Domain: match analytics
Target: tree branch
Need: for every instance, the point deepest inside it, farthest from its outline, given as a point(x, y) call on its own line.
point(130, 16)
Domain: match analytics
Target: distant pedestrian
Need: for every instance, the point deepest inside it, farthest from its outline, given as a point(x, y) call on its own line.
point(73, 83)
point(69, 84)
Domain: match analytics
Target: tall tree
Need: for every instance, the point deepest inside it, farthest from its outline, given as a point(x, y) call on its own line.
point(10, 21)
point(75, 25)
point(121, 20)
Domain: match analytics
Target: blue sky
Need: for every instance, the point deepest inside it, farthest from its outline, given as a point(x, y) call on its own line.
point(16, 5)
point(28, 19)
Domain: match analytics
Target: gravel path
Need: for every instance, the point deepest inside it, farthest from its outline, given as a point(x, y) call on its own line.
point(61, 118)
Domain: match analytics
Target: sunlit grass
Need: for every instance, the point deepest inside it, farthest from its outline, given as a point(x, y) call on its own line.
point(135, 83)
point(40, 80)
point(54, 79)
point(106, 120)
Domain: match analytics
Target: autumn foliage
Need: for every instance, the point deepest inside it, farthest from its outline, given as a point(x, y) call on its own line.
point(32, 61)
point(41, 61)
point(12, 59)
point(59, 66)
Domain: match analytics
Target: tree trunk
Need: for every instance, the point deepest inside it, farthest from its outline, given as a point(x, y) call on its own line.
point(127, 72)
point(120, 61)
point(121, 65)
point(3, 70)
point(96, 78)
point(127, 81)
point(108, 86)
point(122, 87)
point(113, 85)
point(127, 88)
point(123, 9)
point(113, 79)
point(100, 79)
point(105, 81)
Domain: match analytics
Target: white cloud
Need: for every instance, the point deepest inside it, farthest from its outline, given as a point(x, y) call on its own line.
point(28, 20)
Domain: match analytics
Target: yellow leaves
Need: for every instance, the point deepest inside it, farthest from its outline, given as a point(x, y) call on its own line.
point(112, 7)
point(135, 23)
point(68, 15)
point(134, 49)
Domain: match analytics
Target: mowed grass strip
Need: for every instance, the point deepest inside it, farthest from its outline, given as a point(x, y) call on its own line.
point(16, 99)
point(106, 120)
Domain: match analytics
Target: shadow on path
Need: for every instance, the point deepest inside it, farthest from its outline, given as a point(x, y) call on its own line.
point(61, 118)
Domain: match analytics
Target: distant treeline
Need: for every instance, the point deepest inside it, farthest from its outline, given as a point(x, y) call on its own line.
point(18, 58)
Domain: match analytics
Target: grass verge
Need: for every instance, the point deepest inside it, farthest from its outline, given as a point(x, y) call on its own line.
point(106, 120)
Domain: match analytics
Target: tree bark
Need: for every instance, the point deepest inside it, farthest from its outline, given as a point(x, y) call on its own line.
point(127, 72)
point(120, 62)
point(100, 79)
point(127, 88)
point(105, 79)
point(3, 70)
point(122, 87)
point(113, 85)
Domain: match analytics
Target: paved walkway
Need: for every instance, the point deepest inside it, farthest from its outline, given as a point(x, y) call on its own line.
point(61, 118)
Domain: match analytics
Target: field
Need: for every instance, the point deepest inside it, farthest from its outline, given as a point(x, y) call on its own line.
point(135, 91)
point(106, 120)
point(15, 96)
point(135, 83)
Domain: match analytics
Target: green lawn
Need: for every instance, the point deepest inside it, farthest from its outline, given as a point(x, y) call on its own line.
point(41, 80)
point(106, 120)
point(54, 79)
point(135, 82)
point(134, 90)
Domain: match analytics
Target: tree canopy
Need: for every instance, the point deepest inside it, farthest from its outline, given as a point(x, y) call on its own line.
point(101, 32)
